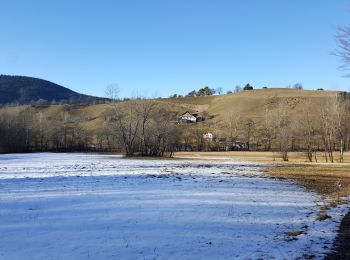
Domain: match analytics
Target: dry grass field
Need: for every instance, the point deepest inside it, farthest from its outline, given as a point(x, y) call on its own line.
point(329, 179)
point(254, 102)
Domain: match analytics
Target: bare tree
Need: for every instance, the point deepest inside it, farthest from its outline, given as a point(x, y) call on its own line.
point(127, 122)
point(219, 90)
point(307, 127)
point(41, 126)
point(283, 129)
point(268, 129)
point(338, 110)
point(343, 50)
point(197, 133)
point(327, 116)
point(232, 123)
point(163, 137)
point(142, 127)
point(145, 110)
point(238, 89)
point(112, 92)
point(249, 128)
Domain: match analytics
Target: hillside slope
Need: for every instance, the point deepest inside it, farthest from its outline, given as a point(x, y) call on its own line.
point(23, 90)
point(249, 104)
point(253, 103)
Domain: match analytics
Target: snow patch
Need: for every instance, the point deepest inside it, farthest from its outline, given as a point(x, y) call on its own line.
point(78, 206)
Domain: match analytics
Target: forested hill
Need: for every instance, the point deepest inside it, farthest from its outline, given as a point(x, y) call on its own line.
point(24, 90)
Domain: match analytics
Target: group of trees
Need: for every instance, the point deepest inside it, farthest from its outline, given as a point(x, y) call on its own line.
point(28, 129)
point(314, 127)
point(206, 91)
point(136, 127)
point(309, 127)
point(143, 128)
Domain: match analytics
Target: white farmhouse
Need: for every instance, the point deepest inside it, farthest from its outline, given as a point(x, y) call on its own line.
point(208, 136)
point(188, 118)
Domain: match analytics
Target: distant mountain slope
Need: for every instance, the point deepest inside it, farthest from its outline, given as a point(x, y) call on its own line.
point(23, 90)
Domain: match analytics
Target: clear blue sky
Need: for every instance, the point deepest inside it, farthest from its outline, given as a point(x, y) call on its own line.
point(173, 46)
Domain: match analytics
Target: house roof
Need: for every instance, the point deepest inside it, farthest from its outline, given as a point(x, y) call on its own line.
point(192, 114)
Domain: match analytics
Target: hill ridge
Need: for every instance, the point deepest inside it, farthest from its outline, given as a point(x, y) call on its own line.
point(16, 89)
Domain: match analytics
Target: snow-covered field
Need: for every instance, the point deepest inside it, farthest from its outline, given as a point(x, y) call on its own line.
point(80, 206)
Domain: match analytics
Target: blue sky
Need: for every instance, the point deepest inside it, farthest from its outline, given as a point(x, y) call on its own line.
point(159, 47)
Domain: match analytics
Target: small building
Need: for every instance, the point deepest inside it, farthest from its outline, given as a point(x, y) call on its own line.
point(189, 118)
point(208, 136)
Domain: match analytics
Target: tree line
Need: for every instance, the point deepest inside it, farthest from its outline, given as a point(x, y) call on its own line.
point(143, 128)
point(309, 127)
point(148, 128)
point(207, 91)
point(26, 129)
point(137, 127)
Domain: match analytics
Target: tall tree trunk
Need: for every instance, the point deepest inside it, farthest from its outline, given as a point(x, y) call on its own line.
point(341, 151)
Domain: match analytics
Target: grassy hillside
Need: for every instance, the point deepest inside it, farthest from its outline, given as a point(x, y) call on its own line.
point(249, 104)
point(253, 103)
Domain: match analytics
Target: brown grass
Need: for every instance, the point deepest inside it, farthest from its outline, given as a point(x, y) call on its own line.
point(250, 104)
point(269, 157)
point(328, 179)
point(293, 235)
point(332, 181)
point(322, 217)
